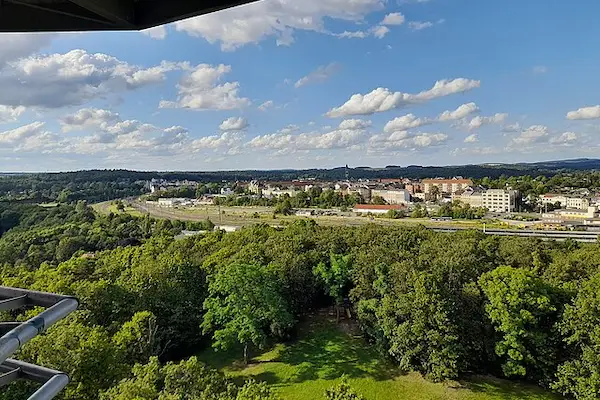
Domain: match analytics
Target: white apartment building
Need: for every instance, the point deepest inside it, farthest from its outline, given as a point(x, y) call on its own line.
point(500, 200)
point(399, 196)
point(495, 200)
point(446, 185)
point(578, 203)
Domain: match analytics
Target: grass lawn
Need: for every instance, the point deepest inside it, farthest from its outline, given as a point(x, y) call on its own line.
point(303, 369)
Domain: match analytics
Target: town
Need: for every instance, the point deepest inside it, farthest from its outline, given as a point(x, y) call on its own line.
point(439, 199)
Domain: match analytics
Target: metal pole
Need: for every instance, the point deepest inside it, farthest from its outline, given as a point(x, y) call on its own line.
point(51, 388)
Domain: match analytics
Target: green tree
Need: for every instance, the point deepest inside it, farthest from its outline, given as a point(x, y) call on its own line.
point(378, 200)
point(336, 276)
point(523, 309)
point(244, 306)
point(137, 338)
point(579, 377)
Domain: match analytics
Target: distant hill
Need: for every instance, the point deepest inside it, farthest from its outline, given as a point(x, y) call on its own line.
point(547, 168)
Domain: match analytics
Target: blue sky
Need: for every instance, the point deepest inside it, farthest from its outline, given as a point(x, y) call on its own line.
point(317, 83)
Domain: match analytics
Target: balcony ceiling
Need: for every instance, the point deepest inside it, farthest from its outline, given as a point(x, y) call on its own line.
point(101, 15)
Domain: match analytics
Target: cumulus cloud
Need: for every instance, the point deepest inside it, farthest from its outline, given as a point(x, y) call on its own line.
point(266, 105)
point(461, 112)
point(234, 124)
point(566, 138)
point(14, 46)
point(539, 69)
point(406, 122)
point(57, 80)
point(355, 124)
point(252, 23)
point(349, 133)
point(378, 31)
point(472, 138)
point(31, 137)
point(201, 89)
point(381, 99)
point(480, 121)
point(89, 118)
point(393, 19)
point(8, 114)
point(400, 140)
point(158, 32)
point(321, 74)
point(226, 142)
point(531, 135)
point(585, 113)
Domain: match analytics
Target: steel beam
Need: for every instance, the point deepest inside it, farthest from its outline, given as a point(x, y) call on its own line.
point(119, 12)
point(13, 303)
point(153, 13)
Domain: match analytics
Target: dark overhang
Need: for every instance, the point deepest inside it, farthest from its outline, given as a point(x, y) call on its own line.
point(101, 15)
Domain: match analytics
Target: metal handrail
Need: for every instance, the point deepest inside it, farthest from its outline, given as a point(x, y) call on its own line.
point(19, 333)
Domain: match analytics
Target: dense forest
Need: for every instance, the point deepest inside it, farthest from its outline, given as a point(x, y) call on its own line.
point(445, 305)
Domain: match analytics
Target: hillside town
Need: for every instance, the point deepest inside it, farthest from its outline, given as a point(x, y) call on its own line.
point(573, 207)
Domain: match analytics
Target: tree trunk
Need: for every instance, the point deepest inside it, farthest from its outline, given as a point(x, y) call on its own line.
point(246, 353)
point(337, 313)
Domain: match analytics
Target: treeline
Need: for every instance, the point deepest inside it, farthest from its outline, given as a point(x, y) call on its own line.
point(445, 305)
point(541, 184)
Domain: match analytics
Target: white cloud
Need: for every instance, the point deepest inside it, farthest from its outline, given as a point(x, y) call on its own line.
point(539, 69)
point(472, 138)
point(89, 118)
point(406, 122)
point(400, 140)
point(585, 113)
point(381, 99)
point(14, 46)
point(516, 127)
point(252, 23)
point(32, 137)
point(158, 32)
point(227, 142)
point(8, 114)
point(566, 138)
point(200, 89)
point(393, 19)
point(234, 124)
point(461, 112)
point(266, 105)
point(354, 124)
point(419, 25)
point(480, 121)
point(533, 134)
point(73, 78)
point(380, 31)
point(349, 134)
point(286, 130)
point(321, 74)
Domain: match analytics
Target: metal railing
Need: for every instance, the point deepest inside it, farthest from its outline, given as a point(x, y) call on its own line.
point(16, 334)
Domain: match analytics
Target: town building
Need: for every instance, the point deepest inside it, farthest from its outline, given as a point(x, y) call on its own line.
point(500, 200)
point(471, 196)
point(397, 196)
point(172, 202)
point(376, 209)
point(495, 200)
point(254, 187)
point(588, 215)
point(579, 203)
point(446, 185)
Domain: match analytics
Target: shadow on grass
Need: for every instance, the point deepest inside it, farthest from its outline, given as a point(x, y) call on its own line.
point(505, 389)
point(326, 352)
